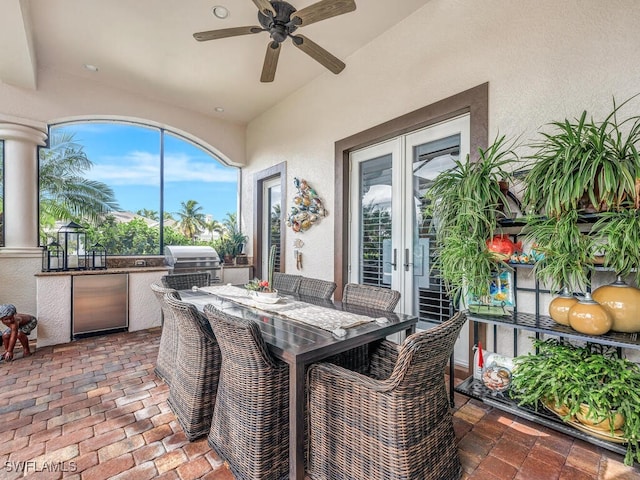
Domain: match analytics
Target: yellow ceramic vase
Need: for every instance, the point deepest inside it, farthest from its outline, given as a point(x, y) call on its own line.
point(589, 317)
point(622, 301)
point(560, 305)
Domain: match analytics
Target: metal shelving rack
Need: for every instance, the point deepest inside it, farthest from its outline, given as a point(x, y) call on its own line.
point(540, 325)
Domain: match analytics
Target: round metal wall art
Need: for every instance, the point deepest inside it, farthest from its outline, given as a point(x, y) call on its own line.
point(307, 208)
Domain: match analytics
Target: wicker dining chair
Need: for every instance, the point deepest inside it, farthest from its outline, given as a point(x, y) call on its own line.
point(184, 281)
point(394, 423)
point(165, 363)
point(314, 287)
point(192, 393)
point(370, 296)
point(286, 282)
point(250, 425)
point(366, 296)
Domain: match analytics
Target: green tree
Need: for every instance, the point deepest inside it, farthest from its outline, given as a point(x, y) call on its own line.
point(150, 214)
point(132, 238)
point(214, 226)
point(192, 220)
point(65, 194)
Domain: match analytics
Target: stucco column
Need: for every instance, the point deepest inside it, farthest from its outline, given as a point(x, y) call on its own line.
point(21, 187)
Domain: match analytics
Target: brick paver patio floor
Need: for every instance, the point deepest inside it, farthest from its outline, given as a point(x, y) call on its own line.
point(93, 409)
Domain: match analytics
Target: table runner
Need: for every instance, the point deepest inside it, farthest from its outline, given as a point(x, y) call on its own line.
point(321, 317)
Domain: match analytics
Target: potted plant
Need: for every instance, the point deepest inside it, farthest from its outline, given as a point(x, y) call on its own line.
point(465, 203)
point(598, 387)
point(567, 252)
point(584, 165)
point(224, 247)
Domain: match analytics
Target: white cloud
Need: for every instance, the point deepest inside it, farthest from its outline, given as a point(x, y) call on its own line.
point(143, 168)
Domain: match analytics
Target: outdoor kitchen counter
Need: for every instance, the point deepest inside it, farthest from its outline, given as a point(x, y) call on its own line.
point(54, 301)
point(107, 271)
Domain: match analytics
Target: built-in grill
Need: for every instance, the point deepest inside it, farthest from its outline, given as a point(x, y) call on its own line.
point(192, 258)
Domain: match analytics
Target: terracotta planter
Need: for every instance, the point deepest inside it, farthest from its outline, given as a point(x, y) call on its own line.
point(622, 302)
point(560, 306)
point(589, 317)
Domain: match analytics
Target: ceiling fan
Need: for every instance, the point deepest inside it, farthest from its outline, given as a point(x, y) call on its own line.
point(281, 19)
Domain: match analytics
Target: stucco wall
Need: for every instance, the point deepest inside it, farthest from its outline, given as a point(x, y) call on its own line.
point(544, 60)
point(63, 97)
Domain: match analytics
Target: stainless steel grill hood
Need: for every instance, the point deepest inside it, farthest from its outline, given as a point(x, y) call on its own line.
point(192, 258)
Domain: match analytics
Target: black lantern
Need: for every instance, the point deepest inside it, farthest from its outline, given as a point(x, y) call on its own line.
point(73, 239)
point(53, 257)
point(98, 257)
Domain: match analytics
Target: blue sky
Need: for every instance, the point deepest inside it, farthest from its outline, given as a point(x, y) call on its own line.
point(126, 157)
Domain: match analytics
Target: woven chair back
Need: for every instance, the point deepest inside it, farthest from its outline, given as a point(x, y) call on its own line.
point(184, 281)
point(370, 296)
point(250, 425)
point(424, 355)
point(314, 287)
point(165, 362)
point(286, 282)
point(192, 393)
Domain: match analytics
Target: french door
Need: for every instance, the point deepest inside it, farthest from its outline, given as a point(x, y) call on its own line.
point(271, 218)
point(391, 235)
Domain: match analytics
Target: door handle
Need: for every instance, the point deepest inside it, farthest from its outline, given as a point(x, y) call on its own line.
point(406, 264)
point(394, 263)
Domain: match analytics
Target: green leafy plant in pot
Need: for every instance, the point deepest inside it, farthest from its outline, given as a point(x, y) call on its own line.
point(591, 385)
point(584, 165)
point(581, 166)
point(465, 204)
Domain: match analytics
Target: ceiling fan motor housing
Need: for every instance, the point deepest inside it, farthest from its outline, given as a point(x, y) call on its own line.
point(280, 26)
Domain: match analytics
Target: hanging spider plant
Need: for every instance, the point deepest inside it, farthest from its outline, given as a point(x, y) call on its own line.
point(465, 204)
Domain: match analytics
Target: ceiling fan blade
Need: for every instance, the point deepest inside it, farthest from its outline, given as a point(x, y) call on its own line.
point(226, 32)
point(270, 62)
point(265, 7)
point(321, 11)
point(318, 53)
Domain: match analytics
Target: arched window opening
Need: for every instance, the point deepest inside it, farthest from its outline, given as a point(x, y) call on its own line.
point(136, 188)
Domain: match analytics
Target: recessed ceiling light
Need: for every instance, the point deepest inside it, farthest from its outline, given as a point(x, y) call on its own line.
point(220, 12)
point(219, 109)
point(91, 68)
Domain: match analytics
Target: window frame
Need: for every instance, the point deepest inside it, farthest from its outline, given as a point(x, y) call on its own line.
point(215, 156)
point(276, 171)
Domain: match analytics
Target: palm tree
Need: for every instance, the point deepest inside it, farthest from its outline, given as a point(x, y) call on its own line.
point(150, 214)
point(214, 226)
point(192, 220)
point(65, 194)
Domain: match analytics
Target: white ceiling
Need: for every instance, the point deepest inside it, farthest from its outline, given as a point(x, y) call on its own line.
point(147, 47)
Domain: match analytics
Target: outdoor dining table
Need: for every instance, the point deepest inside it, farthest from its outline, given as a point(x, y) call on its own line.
point(299, 344)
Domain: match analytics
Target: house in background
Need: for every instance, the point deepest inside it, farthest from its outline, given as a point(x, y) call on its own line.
point(501, 67)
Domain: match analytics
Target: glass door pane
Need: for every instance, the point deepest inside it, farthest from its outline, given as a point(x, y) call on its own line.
point(430, 302)
point(375, 222)
point(374, 233)
point(272, 222)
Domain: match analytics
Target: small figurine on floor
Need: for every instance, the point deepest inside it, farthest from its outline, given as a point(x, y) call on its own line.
point(19, 326)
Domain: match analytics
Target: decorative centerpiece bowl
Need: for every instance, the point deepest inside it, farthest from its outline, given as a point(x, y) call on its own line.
point(266, 297)
point(262, 291)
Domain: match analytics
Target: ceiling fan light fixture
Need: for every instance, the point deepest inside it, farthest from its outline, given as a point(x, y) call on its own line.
point(281, 19)
point(219, 109)
point(90, 67)
point(220, 11)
